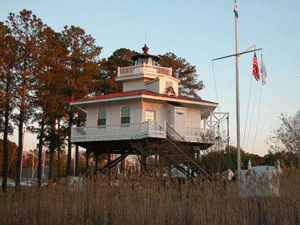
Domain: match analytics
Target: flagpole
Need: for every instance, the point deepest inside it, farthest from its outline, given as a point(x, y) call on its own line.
point(237, 55)
point(237, 92)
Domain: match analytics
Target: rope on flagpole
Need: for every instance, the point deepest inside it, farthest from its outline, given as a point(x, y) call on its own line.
point(212, 64)
point(249, 100)
point(257, 121)
point(249, 131)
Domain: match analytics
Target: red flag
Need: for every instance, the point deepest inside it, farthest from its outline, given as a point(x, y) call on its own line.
point(255, 68)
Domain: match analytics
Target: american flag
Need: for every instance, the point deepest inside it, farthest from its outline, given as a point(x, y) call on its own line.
point(236, 10)
point(255, 68)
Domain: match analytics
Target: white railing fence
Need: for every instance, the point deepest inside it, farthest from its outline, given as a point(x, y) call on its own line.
point(137, 130)
point(200, 134)
point(119, 131)
point(144, 69)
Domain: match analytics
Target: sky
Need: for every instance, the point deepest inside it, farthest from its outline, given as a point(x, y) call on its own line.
point(199, 31)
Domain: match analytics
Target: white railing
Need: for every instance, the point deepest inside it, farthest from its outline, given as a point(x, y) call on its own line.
point(120, 131)
point(125, 70)
point(145, 68)
point(78, 131)
point(137, 131)
point(200, 134)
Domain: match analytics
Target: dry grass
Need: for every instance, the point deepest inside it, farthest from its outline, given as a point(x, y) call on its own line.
point(152, 201)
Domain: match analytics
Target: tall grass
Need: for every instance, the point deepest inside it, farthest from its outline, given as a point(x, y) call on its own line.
point(149, 200)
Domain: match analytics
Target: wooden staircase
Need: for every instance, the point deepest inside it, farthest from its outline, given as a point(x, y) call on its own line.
point(174, 149)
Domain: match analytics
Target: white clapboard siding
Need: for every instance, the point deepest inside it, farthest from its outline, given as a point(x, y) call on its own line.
point(193, 118)
point(113, 113)
point(133, 85)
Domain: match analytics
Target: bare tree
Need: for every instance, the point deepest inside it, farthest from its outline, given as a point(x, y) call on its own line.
point(287, 136)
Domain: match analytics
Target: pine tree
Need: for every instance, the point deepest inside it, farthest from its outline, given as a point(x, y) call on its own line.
point(7, 66)
point(180, 68)
point(49, 99)
point(119, 58)
point(183, 70)
point(80, 69)
point(26, 29)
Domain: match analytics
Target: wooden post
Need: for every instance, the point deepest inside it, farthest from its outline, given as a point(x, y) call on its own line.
point(143, 164)
point(122, 167)
point(77, 161)
point(96, 166)
point(108, 162)
point(87, 160)
point(161, 166)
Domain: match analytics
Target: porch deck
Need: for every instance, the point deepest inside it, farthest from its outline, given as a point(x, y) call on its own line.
point(147, 129)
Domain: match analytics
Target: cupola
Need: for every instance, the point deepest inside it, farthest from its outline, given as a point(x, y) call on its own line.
point(140, 59)
point(146, 74)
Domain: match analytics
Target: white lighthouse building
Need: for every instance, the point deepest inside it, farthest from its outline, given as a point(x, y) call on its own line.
point(148, 117)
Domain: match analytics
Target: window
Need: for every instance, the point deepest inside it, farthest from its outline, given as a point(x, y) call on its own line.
point(125, 115)
point(150, 115)
point(144, 60)
point(101, 117)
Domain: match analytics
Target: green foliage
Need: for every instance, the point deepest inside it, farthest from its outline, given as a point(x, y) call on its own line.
point(7, 65)
point(185, 72)
point(219, 161)
point(26, 29)
point(181, 69)
point(120, 58)
point(287, 158)
point(80, 67)
point(80, 63)
point(44, 70)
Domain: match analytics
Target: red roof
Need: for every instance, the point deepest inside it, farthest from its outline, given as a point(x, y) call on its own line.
point(113, 95)
point(140, 92)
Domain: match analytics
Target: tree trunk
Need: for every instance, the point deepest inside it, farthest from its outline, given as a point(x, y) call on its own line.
point(87, 160)
point(108, 162)
point(58, 163)
point(50, 166)
point(41, 149)
point(51, 148)
point(143, 163)
point(5, 149)
point(21, 123)
point(96, 167)
point(20, 151)
point(77, 161)
point(122, 169)
point(69, 144)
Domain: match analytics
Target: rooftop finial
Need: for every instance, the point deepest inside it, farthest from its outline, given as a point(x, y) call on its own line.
point(145, 49)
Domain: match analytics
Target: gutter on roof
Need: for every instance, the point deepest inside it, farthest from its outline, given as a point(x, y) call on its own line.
point(142, 94)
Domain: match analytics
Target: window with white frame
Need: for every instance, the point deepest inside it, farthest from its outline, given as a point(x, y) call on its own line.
point(150, 115)
point(125, 115)
point(101, 117)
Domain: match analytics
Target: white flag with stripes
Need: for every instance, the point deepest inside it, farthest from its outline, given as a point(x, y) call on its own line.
point(263, 72)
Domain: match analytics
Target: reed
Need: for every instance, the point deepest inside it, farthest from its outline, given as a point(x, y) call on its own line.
point(152, 200)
